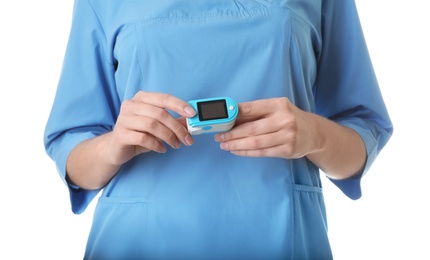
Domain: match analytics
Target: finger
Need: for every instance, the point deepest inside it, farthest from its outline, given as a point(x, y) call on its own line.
point(249, 111)
point(182, 121)
point(166, 101)
point(257, 142)
point(267, 152)
point(144, 140)
point(278, 144)
point(271, 145)
point(149, 118)
point(254, 128)
point(157, 129)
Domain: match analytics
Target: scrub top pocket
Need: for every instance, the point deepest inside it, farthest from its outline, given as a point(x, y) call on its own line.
point(115, 234)
point(310, 237)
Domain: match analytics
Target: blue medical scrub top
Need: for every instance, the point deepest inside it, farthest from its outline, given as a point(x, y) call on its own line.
point(199, 201)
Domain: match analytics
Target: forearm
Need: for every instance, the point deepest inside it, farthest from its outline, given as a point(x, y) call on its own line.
point(88, 166)
point(341, 153)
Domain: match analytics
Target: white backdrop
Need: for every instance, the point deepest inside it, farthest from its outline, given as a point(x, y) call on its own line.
point(391, 220)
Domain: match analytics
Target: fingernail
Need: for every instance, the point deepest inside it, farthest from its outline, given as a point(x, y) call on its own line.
point(219, 137)
point(224, 146)
point(163, 150)
point(189, 111)
point(189, 140)
point(177, 145)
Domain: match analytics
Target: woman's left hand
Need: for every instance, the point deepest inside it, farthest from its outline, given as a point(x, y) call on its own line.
point(270, 128)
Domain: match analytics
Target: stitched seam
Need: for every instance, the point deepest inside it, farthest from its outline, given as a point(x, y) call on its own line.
point(109, 61)
point(246, 15)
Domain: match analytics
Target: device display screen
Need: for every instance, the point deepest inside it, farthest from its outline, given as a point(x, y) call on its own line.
point(210, 110)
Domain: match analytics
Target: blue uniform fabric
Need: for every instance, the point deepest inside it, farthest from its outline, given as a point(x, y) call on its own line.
point(199, 201)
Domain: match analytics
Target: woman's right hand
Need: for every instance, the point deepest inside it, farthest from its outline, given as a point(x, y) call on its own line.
point(144, 125)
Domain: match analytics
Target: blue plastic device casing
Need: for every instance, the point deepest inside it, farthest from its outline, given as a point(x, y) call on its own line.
point(196, 126)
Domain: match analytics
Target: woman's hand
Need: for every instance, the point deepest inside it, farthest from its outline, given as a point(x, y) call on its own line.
point(277, 128)
point(144, 124)
point(269, 128)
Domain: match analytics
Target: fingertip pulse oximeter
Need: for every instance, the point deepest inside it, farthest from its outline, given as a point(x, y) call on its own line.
point(213, 115)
